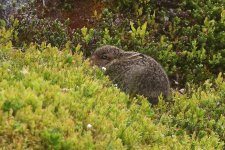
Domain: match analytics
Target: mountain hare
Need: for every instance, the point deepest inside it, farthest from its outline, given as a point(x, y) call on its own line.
point(133, 72)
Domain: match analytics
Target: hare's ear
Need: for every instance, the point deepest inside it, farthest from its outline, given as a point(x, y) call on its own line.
point(135, 56)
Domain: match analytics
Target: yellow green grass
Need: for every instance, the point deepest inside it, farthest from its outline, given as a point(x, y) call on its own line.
point(50, 99)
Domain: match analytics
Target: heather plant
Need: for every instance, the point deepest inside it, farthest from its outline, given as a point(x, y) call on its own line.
point(33, 29)
point(51, 99)
point(200, 112)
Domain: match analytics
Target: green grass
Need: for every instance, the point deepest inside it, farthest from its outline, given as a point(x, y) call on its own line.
point(50, 99)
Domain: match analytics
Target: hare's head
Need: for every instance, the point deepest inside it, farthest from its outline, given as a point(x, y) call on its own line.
point(104, 55)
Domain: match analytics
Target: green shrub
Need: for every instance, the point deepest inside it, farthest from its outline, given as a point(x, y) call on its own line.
point(33, 29)
point(200, 112)
point(50, 99)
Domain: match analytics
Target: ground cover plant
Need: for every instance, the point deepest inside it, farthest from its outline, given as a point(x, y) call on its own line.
point(51, 99)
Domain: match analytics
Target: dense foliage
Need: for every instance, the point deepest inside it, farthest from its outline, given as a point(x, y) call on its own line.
point(50, 99)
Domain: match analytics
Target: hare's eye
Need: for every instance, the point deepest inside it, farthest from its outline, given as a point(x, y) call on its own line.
point(104, 57)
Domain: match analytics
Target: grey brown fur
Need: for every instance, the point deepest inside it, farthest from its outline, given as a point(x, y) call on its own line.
point(133, 72)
